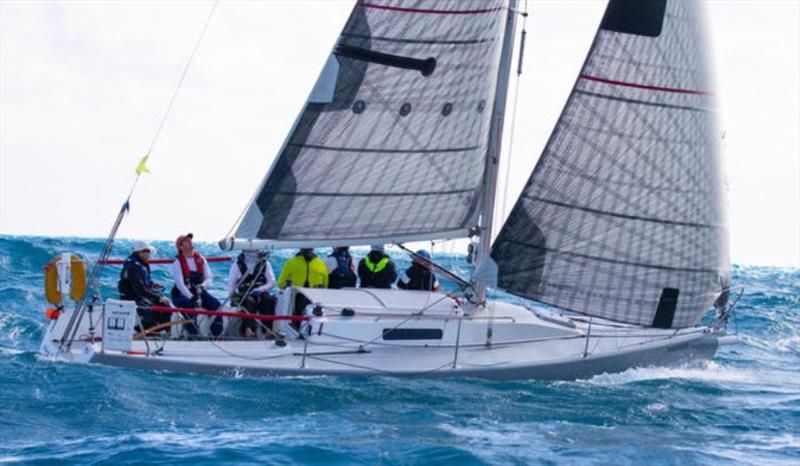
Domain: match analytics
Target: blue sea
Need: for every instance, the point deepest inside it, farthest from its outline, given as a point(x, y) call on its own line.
point(741, 408)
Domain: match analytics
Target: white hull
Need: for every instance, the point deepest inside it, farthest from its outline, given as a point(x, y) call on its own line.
point(384, 337)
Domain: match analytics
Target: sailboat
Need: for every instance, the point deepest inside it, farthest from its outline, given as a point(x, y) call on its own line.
point(618, 239)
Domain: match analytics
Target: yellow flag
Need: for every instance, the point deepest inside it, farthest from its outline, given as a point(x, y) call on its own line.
point(142, 168)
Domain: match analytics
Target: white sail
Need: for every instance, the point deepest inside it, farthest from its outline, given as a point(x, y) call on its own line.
point(392, 142)
point(623, 216)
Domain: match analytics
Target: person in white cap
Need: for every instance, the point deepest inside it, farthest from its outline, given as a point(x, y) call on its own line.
point(135, 284)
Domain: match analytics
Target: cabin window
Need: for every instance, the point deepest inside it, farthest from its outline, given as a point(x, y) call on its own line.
point(412, 334)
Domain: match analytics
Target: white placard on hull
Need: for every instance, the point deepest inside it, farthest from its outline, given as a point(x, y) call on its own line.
point(119, 318)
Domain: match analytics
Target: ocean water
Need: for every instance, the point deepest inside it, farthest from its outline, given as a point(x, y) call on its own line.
point(741, 408)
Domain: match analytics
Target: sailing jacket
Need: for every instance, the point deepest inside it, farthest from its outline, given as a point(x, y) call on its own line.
point(376, 271)
point(250, 274)
point(135, 283)
point(342, 270)
point(305, 273)
point(418, 277)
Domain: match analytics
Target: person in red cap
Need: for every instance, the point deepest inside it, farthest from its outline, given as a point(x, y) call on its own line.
point(192, 277)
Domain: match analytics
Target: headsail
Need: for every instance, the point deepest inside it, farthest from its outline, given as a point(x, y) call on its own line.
point(392, 142)
point(623, 216)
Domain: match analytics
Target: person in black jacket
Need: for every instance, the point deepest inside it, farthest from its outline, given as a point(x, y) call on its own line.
point(377, 270)
point(341, 268)
point(249, 281)
point(419, 276)
point(135, 284)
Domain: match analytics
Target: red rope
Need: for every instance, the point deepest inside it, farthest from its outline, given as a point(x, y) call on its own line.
point(170, 310)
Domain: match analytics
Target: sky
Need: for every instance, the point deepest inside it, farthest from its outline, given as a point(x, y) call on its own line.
point(84, 86)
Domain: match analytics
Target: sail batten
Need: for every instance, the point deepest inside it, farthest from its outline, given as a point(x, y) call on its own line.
point(623, 217)
point(393, 139)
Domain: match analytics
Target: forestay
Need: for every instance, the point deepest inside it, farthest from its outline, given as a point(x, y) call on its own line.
point(392, 142)
point(623, 216)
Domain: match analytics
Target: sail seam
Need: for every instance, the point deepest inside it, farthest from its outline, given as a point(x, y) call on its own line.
point(420, 41)
point(642, 102)
point(646, 87)
point(619, 215)
point(424, 193)
point(385, 151)
point(554, 303)
point(428, 11)
point(571, 171)
point(614, 261)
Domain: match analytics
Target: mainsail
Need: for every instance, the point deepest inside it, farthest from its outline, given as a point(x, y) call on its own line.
point(623, 216)
point(392, 142)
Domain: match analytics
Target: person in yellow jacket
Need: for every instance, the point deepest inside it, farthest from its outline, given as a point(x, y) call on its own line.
point(305, 269)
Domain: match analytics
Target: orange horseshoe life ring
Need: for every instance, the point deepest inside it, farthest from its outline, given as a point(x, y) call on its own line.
point(64, 271)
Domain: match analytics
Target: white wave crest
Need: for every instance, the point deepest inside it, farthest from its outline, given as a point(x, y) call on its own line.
point(708, 371)
point(497, 436)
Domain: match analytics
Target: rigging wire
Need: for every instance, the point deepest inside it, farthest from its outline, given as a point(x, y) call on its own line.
point(175, 93)
point(503, 212)
point(183, 77)
point(74, 322)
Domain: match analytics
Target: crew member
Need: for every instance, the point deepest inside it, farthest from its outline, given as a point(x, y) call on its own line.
point(192, 277)
point(304, 269)
point(249, 281)
point(377, 270)
point(136, 284)
point(419, 276)
point(341, 268)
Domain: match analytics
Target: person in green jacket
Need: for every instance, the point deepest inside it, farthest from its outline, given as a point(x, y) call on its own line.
point(304, 270)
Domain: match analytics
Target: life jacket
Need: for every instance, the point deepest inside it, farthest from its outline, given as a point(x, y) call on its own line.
point(343, 275)
point(378, 271)
point(192, 278)
point(254, 278)
point(376, 268)
point(140, 267)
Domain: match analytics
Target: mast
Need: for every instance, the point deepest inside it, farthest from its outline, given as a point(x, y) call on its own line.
point(495, 144)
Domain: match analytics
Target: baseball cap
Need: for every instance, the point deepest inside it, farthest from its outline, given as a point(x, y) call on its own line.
point(183, 238)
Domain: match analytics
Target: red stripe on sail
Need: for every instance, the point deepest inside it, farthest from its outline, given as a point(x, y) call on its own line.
point(432, 12)
point(643, 86)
